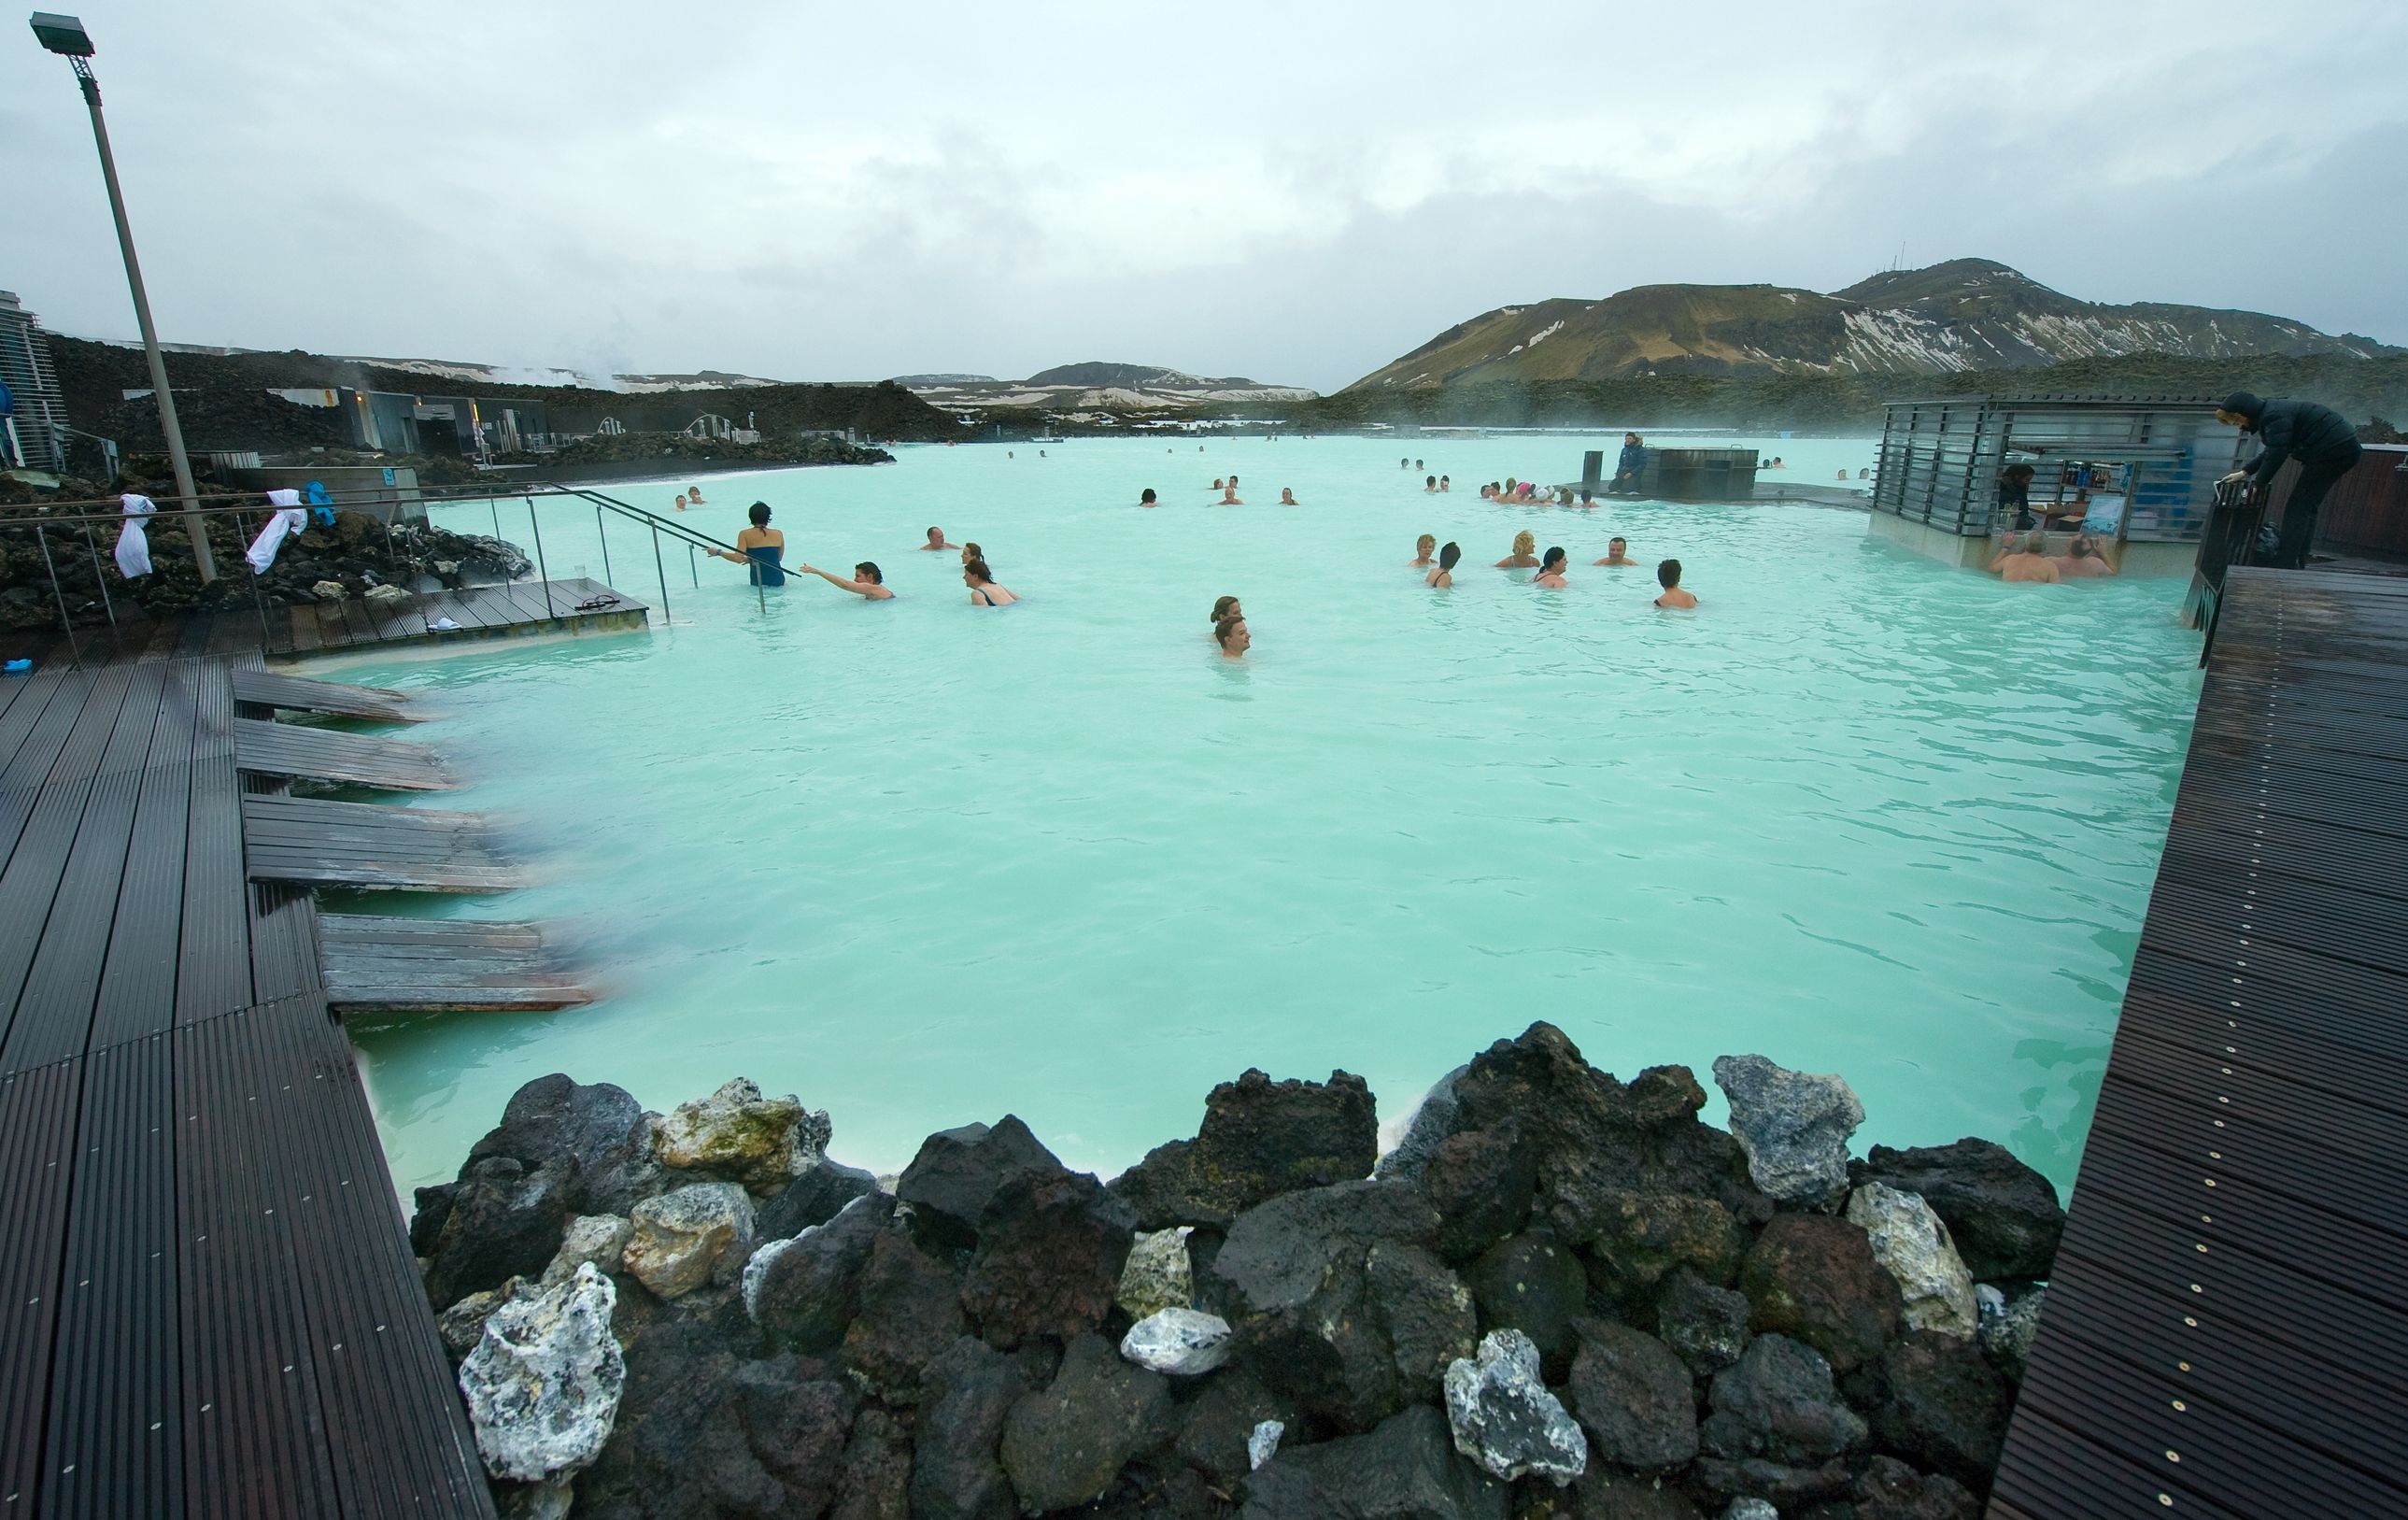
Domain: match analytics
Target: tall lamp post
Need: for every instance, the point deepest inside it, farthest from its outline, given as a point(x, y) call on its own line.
point(65, 37)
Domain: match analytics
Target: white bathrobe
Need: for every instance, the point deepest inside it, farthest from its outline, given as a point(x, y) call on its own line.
point(289, 518)
point(133, 544)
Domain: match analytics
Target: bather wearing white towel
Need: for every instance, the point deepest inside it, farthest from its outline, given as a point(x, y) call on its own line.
point(133, 543)
point(289, 518)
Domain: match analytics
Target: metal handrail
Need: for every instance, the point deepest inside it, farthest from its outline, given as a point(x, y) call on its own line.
point(39, 517)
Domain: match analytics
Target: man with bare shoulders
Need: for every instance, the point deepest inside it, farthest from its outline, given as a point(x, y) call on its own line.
point(1617, 552)
point(1668, 575)
point(937, 541)
point(2082, 560)
point(2025, 559)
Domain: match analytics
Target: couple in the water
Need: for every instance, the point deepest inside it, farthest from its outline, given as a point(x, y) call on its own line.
point(1550, 567)
point(1229, 628)
point(1442, 571)
point(762, 549)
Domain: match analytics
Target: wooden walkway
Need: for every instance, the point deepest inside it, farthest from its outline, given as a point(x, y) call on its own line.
point(416, 965)
point(208, 1303)
point(522, 610)
point(2225, 1332)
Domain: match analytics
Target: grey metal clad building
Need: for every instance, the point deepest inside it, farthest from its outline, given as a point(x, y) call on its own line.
point(34, 436)
point(2149, 464)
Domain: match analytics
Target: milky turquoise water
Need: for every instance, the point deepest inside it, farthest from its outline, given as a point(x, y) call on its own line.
point(922, 863)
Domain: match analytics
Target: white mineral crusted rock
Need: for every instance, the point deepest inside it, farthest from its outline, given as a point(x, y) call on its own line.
point(1504, 1418)
point(600, 1239)
point(543, 1381)
point(1744, 1508)
point(1263, 1443)
point(679, 1238)
point(762, 1143)
point(1911, 1242)
point(1182, 1342)
point(1158, 1274)
point(386, 594)
point(540, 1501)
point(329, 591)
point(1794, 1127)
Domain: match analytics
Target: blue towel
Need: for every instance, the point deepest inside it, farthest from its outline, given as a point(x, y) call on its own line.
point(321, 503)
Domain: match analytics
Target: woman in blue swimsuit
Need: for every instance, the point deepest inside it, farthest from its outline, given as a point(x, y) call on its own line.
point(759, 548)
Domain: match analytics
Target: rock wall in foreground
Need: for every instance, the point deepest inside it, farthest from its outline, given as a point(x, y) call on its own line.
point(1561, 1295)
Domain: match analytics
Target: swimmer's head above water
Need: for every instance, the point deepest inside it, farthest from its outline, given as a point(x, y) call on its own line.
point(759, 513)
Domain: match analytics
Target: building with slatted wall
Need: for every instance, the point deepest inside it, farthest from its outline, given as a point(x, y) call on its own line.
point(33, 428)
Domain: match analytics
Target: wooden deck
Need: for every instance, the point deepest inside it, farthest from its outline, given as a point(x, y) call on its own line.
point(522, 610)
point(208, 1303)
point(422, 964)
point(2224, 1333)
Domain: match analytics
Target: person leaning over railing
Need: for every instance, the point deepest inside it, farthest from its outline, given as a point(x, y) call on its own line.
point(2319, 438)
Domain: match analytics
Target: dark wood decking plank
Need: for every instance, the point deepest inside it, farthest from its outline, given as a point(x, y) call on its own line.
point(213, 947)
point(37, 1150)
point(290, 749)
point(301, 695)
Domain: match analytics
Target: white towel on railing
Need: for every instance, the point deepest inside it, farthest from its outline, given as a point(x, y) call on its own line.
point(133, 544)
point(291, 518)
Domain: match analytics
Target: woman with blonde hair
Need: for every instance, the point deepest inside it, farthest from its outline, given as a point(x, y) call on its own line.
point(1523, 556)
point(1424, 547)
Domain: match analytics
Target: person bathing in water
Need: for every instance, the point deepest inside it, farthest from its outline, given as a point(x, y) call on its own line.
point(2025, 559)
point(983, 590)
point(1233, 637)
point(937, 541)
point(867, 581)
point(1287, 497)
point(760, 547)
point(693, 496)
point(1668, 575)
point(1229, 494)
point(1225, 607)
point(1551, 571)
point(1617, 552)
point(1145, 497)
point(1424, 547)
point(2082, 560)
point(1525, 555)
point(1445, 574)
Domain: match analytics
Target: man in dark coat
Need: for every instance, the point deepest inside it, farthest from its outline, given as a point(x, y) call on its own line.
point(1630, 466)
point(2319, 438)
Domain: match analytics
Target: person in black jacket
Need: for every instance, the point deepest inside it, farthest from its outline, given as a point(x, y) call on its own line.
point(1630, 466)
point(2319, 438)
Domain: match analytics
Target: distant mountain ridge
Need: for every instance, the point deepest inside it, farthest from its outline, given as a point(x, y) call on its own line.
point(1096, 372)
point(1965, 314)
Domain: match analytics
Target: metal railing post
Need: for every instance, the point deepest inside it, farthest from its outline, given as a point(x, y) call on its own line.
point(693, 567)
point(539, 568)
point(663, 573)
point(99, 580)
point(258, 603)
point(74, 648)
point(603, 533)
point(496, 508)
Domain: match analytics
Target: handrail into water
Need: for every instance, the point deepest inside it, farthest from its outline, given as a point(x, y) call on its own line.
point(40, 516)
point(2229, 539)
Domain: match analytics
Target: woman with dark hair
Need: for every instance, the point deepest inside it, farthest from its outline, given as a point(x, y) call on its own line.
point(759, 547)
point(971, 551)
point(1225, 607)
point(1145, 497)
point(2015, 493)
point(1444, 573)
point(867, 582)
point(983, 590)
point(1551, 571)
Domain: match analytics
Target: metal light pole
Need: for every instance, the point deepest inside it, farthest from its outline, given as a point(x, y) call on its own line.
point(65, 37)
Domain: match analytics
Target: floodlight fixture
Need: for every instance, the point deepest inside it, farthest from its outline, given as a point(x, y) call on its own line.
point(61, 34)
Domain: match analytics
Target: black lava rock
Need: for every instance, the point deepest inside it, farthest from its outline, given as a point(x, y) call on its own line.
point(1406, 1469)
point(1062, 1447)
point(503, 1220)
point(1812, 1276)
point(1259, 1139)
point(907, 1311)
point(2003, 1215)
point(1704, 1325)
point(966, 1394)
point(805, 1293)
point(1777, 1401)
point(957, 1173)
point(1532, 1282)
point(811, 1199)
point(1634, 1397)
point(599, 1129)
point(1939, 1404)
point(1051, 1246)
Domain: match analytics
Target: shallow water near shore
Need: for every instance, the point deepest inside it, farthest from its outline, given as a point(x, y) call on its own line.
point(923, 863)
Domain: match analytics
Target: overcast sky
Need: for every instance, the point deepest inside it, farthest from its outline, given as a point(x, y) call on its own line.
point(1298, 192)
